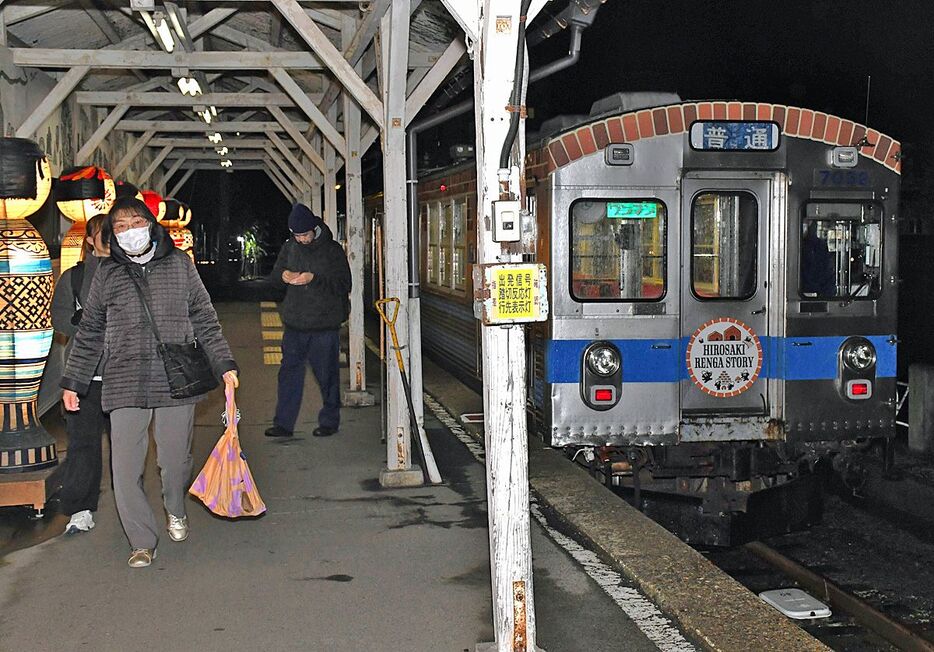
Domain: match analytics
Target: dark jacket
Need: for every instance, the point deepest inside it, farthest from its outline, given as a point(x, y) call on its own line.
point(63, 300)
point(324, 303)
point(114, 329)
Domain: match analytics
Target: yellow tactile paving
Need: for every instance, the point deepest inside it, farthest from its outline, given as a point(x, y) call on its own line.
point(267, 304)
point(272, 336)
point(272, 358)
point(271, 320)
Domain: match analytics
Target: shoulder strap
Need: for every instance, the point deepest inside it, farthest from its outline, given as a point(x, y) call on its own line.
point(77, 278)
point(142, 298)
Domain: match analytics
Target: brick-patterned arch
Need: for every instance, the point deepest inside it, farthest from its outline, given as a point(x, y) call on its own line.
point(650, 123)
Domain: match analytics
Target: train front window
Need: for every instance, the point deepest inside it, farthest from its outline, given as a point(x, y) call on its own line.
point(618, 249)
point(841, 250)
point(724, 245)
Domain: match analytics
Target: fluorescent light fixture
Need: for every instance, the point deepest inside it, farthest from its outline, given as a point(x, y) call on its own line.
point(214, 111)
point(164, 32)
point(226, 163)
point(177, 26)
point(189, 86)
point(215, 137)
point(222, 151)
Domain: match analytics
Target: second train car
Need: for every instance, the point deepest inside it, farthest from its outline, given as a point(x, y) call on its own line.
point(722, 282)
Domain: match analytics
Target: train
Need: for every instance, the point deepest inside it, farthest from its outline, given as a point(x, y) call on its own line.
point(722, 283)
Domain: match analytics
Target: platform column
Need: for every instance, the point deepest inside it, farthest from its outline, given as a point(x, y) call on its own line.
point(504, 382)
point(394, 43)
point(356, 394)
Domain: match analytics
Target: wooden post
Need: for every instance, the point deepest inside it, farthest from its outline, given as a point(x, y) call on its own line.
point(317, 176)
point(394, 43)
point(504, 382)
point(356, 394)
point(330, 180)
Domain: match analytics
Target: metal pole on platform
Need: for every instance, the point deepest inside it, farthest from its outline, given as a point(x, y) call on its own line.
point(499, 119)
point(394, 47)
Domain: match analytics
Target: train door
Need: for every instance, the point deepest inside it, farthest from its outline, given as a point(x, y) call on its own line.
point(725, 289)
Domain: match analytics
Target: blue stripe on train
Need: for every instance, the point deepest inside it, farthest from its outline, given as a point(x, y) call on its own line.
point(662, 361)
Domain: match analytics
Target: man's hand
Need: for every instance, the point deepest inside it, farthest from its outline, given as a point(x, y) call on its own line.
point(288, 277)
point(70, 399)
point(304, 278)
point(230, 378)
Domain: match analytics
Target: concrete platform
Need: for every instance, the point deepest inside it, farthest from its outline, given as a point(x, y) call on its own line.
point(336, 564)
point(708, 605)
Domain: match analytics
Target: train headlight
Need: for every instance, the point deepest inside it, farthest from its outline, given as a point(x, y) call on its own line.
point(859, 354)
point(603, 360)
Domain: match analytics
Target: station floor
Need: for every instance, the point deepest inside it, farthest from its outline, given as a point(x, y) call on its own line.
point(337, 563)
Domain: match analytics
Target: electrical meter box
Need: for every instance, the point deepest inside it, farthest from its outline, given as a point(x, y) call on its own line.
point(507, 221)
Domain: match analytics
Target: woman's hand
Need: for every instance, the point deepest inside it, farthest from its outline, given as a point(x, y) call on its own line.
point(230, 378)
point(70, 399)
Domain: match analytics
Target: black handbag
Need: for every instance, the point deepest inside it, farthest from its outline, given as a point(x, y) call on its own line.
point(186, 365)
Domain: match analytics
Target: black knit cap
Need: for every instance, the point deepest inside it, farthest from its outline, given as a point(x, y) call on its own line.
point(302, 220)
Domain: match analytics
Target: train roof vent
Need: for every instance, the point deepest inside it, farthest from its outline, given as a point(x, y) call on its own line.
point(626, 102)
point(559, 124)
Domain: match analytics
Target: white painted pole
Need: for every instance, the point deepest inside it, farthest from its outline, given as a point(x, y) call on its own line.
point(394, 43)
point(504, 383)
point(318, 178)
point(330, 180)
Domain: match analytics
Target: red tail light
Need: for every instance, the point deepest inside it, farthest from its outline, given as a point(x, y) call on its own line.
point(603, 395)
point(860, 389)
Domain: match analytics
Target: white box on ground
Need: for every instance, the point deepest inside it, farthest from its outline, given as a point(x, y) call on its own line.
point(796, 604)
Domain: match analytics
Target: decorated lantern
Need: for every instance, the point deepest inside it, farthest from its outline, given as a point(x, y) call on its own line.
point(153, 201)
point(81, 194)
point(126, 189)
point(25, 298)
point(176, 218)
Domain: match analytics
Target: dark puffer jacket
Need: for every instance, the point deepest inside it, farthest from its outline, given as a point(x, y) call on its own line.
point(323, 304)
point(114, 329)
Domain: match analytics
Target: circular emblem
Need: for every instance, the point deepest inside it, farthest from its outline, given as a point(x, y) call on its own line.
point(724, 357)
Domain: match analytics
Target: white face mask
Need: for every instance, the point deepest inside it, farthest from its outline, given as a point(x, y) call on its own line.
point(134, 241)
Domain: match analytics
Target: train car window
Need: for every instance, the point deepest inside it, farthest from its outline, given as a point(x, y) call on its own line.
point(841, 250)
point(434, 215)
point(724, 245)
point(444, 260)
point(618, 250)
point(459, 238)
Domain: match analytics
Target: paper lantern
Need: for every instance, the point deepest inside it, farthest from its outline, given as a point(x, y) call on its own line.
point(125, 189)
point(25, 299)
point(153, 201)
point(82, 193)
point(176, 217)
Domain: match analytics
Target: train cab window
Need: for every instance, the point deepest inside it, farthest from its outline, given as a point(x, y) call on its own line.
point(724, 245)
point(841, 250)
point(618, 250)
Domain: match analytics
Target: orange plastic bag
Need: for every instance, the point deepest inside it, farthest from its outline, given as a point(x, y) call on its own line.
point(225, 484)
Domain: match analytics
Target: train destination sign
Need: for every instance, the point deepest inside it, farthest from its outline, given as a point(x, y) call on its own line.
point(723, 135)
point(627, 210)
point(724, 357)
point(510, 293)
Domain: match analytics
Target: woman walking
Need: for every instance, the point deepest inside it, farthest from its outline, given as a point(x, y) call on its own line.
point(116, 334)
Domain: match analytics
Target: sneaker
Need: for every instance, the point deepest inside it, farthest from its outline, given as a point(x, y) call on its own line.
point(323, 431)
point(141, 557)
point(178, 527)
point(80, 522)
point(278, 431)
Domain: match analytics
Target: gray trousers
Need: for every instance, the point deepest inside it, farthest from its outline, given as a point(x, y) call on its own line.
point(129, 444)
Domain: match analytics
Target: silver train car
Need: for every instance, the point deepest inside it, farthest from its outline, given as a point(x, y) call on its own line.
point(723, 302)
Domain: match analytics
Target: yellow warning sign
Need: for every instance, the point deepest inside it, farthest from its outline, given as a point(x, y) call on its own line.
point(510, 293)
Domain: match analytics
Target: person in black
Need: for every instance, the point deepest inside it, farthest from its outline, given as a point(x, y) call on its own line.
point(314, 270)
point(81, 474)
point(817, 274)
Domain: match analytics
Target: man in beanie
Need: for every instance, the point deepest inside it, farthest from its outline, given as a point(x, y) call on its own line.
point(314, 270)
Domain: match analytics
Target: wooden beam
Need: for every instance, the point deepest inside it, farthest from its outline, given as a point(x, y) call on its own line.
point(295, 133)
point(331, 57)
point(21, 13)
point(168, 174)
point(192, 126)
point(153, 166)
point(181, 182)
point(84, 154)
point(276, 182)
point(245, 155)
point(196, 28)
point(283, 178)
point(289, 156)
point(150, 60)
point(131, 153)
point(51, 101)
point(106, 98)
point(203, 143)
point(430, 82)
point(300, 180)
point(294, 91)
point(356, 234)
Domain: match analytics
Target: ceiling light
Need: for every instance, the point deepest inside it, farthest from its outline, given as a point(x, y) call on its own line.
point(215, 137)
point(214, 111)
point(222, 151)
point(177, 26)
point(337, 186)
point(226, 163)
point(189, 86)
